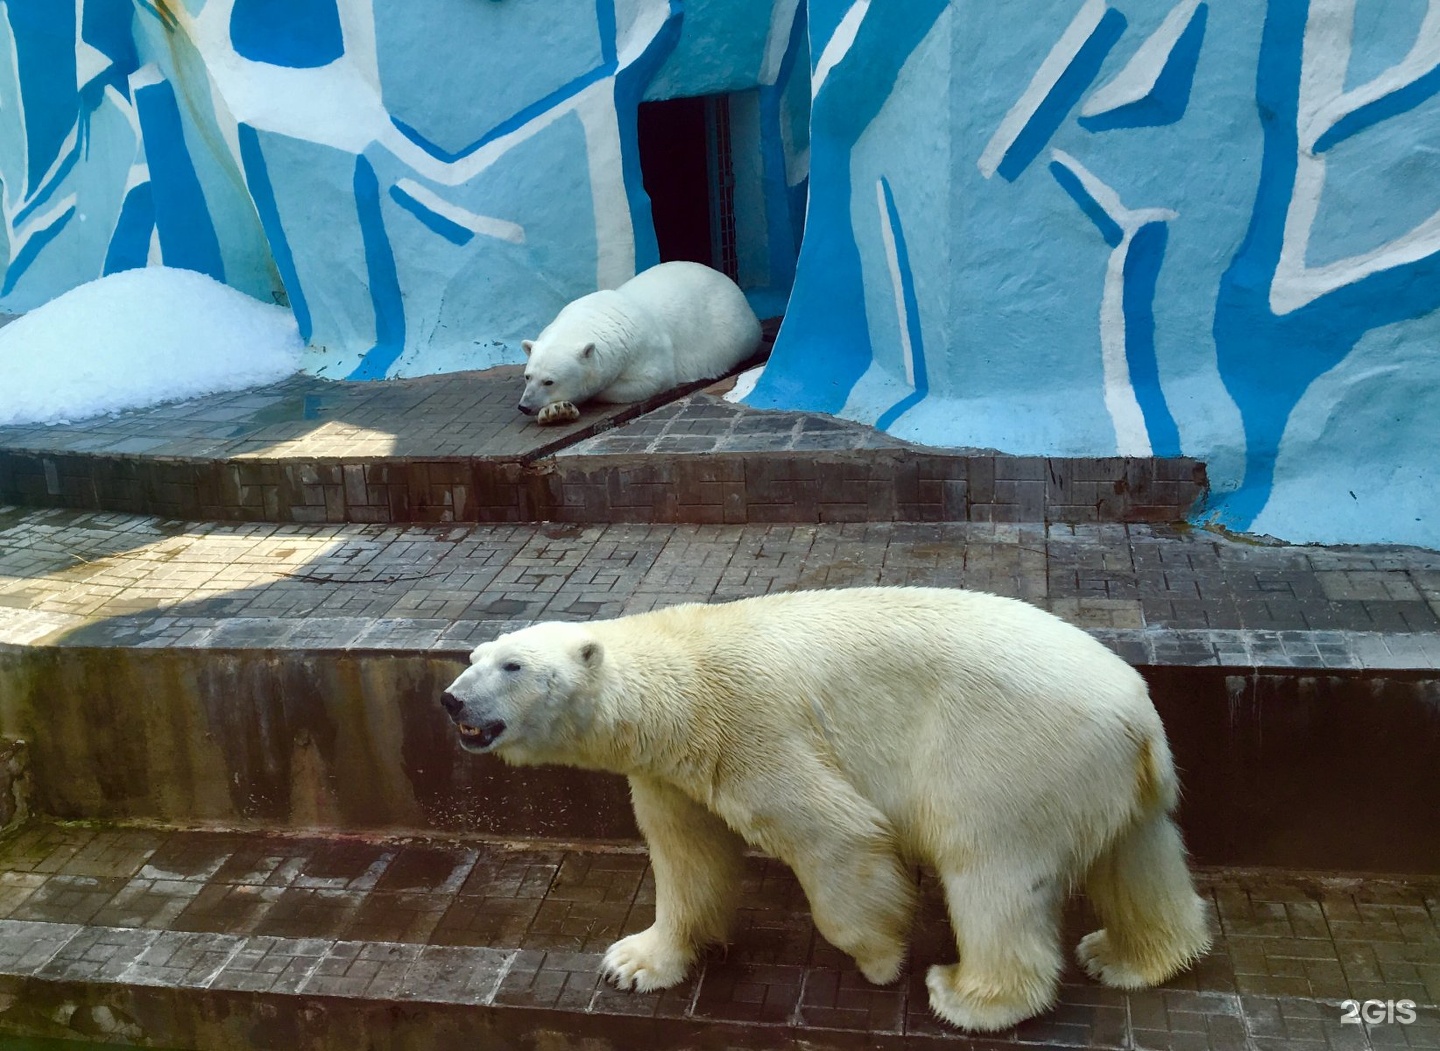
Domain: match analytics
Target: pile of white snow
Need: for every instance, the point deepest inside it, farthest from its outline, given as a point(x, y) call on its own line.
point(139, 338)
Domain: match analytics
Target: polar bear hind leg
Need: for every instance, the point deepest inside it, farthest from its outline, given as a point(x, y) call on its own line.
point(696, 861)
point(1005, 914)
point(1155, 923)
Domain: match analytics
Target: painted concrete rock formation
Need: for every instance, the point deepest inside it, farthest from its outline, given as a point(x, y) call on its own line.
point(1112, 226)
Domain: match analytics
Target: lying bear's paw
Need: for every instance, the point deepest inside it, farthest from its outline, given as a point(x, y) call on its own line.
point(646, 961)
point(557, 412)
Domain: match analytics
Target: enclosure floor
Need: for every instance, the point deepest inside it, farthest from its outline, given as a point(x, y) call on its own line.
point(504, 925)
point(1156, 594)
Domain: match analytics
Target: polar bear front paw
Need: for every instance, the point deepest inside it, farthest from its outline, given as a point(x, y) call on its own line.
point(647, 961)
point(557, 412)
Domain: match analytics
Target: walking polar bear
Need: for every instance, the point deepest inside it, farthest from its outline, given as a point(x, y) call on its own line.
point(672, 324)
point(852, 734)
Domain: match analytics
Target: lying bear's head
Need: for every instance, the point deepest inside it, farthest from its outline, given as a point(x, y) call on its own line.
point(556, 371)
point(523, 696)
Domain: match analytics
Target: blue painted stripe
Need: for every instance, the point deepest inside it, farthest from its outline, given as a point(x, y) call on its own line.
point(605, 21)
point(1383, 108)
point(384, 280)
point(52, 184)
point(182, 216)
point(446, 228)
point(1170, 97)
point(43, 33)
point(300, 34)
point(630, 85)
point(1071, 184)
point(518, 120)
point(782, 233)
point(257, 178)
point(1063, 95)
point(824, 347)
point(912, 315)
point(1142, 265)
point(32, 249)
point(130, 243)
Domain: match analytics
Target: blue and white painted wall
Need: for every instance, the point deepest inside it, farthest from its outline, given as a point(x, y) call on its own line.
point(1111, 226)
point(425, 185)
point(1132, 227)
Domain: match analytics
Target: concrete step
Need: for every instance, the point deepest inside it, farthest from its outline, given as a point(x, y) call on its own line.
point(454, 449)
point(287, 676)
point(204, 940)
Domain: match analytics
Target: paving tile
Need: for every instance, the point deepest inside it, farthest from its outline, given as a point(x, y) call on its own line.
point(68, 899)
point(181, 958)
point(455, 974)
point(271, 964)
point(27, 945)
point(98, 954)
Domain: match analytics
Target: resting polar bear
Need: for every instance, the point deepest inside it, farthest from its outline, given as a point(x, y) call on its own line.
point(852, 733)
point(672, 324)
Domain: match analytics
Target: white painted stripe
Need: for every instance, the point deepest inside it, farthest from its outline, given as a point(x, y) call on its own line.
point(838, 46)
point(1139, 76)
point(1329, 36)
point(1423, 57)
point(744, 384)
point(1051, 70)
point(1128, 219)
point(892, 259)
point(39, 223)
point(480, 224)
point(782, 22)
point(1132, 436)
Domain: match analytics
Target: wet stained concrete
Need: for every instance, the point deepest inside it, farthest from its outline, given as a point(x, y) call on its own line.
point(1280, 767)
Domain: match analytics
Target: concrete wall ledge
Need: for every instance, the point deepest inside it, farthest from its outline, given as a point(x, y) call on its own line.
point(1297, 765)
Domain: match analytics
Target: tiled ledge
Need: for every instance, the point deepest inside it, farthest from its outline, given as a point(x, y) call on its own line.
point(875, 485)
point(312, 942)
point(1327, 651)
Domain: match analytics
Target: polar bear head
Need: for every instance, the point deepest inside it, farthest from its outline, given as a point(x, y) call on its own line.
point(556, 372)
point(578, 354)
point(528, 694)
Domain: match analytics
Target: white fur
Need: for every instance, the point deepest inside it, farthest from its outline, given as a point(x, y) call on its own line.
point(852, 734)
point(672, 324)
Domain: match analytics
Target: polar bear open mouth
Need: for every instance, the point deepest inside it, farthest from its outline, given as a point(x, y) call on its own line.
point(478, 738)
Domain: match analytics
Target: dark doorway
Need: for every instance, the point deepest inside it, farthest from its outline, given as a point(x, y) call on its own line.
point(685, 164)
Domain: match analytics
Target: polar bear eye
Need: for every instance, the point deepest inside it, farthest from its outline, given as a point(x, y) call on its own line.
point(511, 666)
point(549, 383)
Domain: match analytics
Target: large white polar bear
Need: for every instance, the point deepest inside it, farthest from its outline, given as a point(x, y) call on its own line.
point(853, 733)
point(672, 324)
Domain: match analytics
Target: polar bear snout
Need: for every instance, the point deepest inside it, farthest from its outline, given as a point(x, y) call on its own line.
point(477, 733)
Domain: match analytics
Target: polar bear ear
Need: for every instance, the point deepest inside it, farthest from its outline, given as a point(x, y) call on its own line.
point(592, 654)
point(588, 350)
point(527, 345)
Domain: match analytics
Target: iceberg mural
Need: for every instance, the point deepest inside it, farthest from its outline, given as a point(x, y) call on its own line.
point(1112, 227)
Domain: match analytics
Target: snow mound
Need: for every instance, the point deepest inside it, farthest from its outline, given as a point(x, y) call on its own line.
point(136, 339)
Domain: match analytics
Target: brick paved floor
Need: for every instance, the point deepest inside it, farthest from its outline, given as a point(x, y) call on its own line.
point(307, 417)
point(102, 577)
point(487, 923)
point(704, 422)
